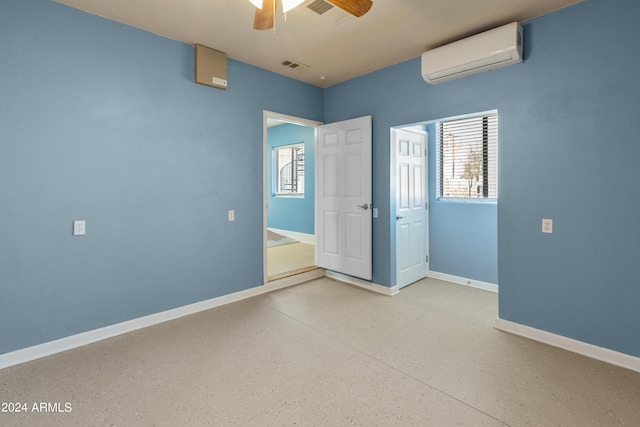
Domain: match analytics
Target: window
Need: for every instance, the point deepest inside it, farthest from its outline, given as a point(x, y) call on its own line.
point(467, 157)
point(289, 169)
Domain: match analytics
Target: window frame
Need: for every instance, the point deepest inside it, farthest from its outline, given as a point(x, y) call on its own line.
point(438, 160)
point(276, 172)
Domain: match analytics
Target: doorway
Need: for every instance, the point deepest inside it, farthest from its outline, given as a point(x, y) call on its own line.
point(288, 193)
point(462, 226)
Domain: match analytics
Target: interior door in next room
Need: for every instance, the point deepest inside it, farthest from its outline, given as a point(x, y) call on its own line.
point(412, 228)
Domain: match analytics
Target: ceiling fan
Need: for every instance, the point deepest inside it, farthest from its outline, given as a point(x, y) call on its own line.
point(265, 9)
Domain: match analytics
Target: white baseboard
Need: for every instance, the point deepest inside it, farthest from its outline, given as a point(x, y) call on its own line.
point(385, 290)
point(589, 350)
point(74, 341)
point(462, 281)
point(301, 237)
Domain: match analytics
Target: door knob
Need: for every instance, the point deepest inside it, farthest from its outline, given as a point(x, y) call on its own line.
point(363, 207)
point(400, 217)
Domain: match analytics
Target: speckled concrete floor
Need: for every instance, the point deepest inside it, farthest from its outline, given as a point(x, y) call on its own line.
point(326, 354)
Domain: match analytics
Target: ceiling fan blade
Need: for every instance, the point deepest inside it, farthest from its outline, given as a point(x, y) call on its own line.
point(355, 7)
point(263, 19)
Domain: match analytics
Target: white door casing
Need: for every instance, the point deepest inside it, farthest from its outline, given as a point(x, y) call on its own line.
point(343, 197)
point(409, 165)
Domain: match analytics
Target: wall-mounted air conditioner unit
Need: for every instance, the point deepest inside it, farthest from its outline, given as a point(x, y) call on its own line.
point(492, 49)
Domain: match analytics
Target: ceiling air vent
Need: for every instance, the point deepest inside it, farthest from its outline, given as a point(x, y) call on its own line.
point(328, 11)
point(320, 6)
point(295, 66)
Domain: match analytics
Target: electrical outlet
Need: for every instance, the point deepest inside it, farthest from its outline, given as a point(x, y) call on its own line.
point(231, 215)
point(547, 225)
point(79, 228)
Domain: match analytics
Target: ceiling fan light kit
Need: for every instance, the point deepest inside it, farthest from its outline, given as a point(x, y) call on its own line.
point(265, 9)
point(287, 5)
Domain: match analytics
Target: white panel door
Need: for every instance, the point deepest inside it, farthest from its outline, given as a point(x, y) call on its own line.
point(343, 197)
point(411, 213)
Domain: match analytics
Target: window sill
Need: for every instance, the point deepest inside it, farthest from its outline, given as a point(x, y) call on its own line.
point(290, 195)
point(483, 201)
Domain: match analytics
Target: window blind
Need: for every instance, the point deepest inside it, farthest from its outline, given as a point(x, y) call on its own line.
point(467, 157)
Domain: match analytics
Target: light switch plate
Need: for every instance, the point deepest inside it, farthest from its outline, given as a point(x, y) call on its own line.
point(232, 215)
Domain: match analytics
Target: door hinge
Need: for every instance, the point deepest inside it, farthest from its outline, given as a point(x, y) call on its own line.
point(426, 258)
point(426, 206)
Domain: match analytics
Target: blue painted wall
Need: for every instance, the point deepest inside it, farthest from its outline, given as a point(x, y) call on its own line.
point(562, 156)
point(292, 213)
point(102, 122)
point(575, 160)
point(99, 121)
point(463, 237)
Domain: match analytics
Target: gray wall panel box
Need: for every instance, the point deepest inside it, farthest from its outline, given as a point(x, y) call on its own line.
point(210, 67)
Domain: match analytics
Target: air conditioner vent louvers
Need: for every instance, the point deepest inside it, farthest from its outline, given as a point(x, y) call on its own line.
point(293, 65)
point(320, 6)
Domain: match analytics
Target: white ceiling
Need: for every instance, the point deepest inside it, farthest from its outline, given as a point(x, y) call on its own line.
point(335, 49)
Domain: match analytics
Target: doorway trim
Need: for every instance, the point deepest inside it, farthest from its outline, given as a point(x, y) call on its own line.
point(266, 117)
